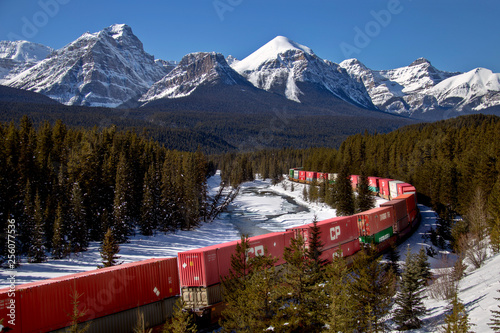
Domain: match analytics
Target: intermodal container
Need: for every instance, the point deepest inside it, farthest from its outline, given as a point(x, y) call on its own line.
point(379, 237)
point(408, 189)
point(291, 172)
point(332, 177)
point(373, 184)
point(321, 176)
point(43, 306)
point(354, 181)
point(346, 249)
point(302, 175)
point(393, 188)
point(402, 224)
point(203, 267)
point(384, 190)
point(375, 220)
point(334, 231)
point(411, 201)
point(400, 187)
point(399, 206)
point(296, 173)
point(310, 176)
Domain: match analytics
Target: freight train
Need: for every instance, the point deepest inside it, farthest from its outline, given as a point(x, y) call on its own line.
point(111, 298)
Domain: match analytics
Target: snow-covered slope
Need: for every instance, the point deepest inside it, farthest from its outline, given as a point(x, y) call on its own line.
point(194, 71)
point(105, 68)
point(282, 66)
point(403, 90)
point(476, 90)
point(18, 56)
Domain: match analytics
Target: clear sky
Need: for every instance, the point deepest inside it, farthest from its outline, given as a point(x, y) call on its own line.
point(457, 35)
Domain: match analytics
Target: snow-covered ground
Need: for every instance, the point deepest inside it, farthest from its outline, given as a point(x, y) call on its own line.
point(478, 289)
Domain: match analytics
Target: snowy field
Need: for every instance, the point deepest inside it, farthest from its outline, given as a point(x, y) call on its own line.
point(272, 212)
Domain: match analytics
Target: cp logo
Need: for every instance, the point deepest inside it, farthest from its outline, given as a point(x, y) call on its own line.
point(335, 233)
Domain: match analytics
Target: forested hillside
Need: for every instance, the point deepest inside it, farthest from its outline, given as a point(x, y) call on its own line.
point(65, 187)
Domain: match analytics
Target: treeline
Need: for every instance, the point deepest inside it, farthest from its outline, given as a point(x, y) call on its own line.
point(65, 187)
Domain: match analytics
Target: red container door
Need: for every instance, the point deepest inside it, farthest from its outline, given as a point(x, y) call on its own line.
point(198, 268)
point(302, 175)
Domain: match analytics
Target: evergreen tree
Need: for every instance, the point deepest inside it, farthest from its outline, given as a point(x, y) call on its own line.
point(77, 315)
point(344, 194)
point(151, 203)
point(122, 209)
point(393, 257)
point(365, 200)
point(457, 320)
point(109, 250)
point(409, 298)
point(495, 320)
point(37, 244)
point(182, 320)
point(78, 231)
point(341, 313)
point(423, 265)
point(58, 245)
point(372, 290)
point(314, 250)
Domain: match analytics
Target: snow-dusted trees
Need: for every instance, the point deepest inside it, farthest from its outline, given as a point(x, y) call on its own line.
point(109, 250)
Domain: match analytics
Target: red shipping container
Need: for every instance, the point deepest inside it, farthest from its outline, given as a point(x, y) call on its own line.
point(42, 306)
point(354, 181)
point(402, 224)
point(374, 182)
point(375, 220)
point(348, 249)
point(413, 216)
point(302, 175)
point(400, 187)
point(322, 176)
point(411, 201)
point(399, 208)
point(408, 189)
point(384, 189)
point(310, 175)
point(334, 231)
point(203, 267)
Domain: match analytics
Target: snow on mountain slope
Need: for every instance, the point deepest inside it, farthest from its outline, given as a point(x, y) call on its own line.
point(401, 90)
point(18, 56)
point(477, 89)
point(282, 65)
point(194, 70)
point(105, 68)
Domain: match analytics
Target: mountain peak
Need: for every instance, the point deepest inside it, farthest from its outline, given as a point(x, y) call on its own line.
point(280, 44)
point(420, 61)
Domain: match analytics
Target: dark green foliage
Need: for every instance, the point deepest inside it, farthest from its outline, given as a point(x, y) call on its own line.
point(409, 303)
point(37, 248)
point(344, 196)
point(365, 200)
point(372, 289)
point(393, 257)
point(182, 321)
point(495, 320)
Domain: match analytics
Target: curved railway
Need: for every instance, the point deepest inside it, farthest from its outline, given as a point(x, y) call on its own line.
point(112, 297)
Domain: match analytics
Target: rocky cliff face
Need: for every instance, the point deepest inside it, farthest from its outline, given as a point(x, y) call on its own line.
point(18, 56)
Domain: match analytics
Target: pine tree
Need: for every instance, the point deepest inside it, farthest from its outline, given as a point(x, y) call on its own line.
point(365, 200)
point(344, 195)
point(37, 244)
point(409, 299)
point(423, 265)
point(122, 209)
point(341, 314)
point(457, 320)
point(495, 320)
point(58, 245)
point(182, 320)
point(78, 230)
point(77, 315)
point(372, 290)
point(393, 257)
point(109, 250)
point(151, 203)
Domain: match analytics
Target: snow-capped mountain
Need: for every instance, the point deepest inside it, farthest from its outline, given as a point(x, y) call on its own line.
point(475, 90)
point(193, 71)
point(285, 67)
point(18, 56)
point(403, 90)
point(105, 68)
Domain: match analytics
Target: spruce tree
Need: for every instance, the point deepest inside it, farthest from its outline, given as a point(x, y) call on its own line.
point(37, 244)
point(58, 250)
point(423, 265)
point(365, 200)
point(122, 208)
point(78, 230)
point(409, 300)
point(495, 320)
point(344, 194)
point(109, 250)
point(77, 315)
point(457, 320)
point(182, 320)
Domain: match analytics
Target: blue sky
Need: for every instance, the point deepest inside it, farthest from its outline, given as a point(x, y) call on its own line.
point(454, 35)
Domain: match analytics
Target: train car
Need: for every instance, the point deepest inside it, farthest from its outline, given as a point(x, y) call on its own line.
point(400, 210)
point(111, 296)
point(346, 250)
point(332, 177)
point(302, 176)
point(384, 190)
point(201, 269)
point(393, 188)
point(311, 175)
point(322, 177)
point(334, 232)
point(411, 205)
point(376, 225)
point(291, 173)
point(374, 185)
point(296, 174)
